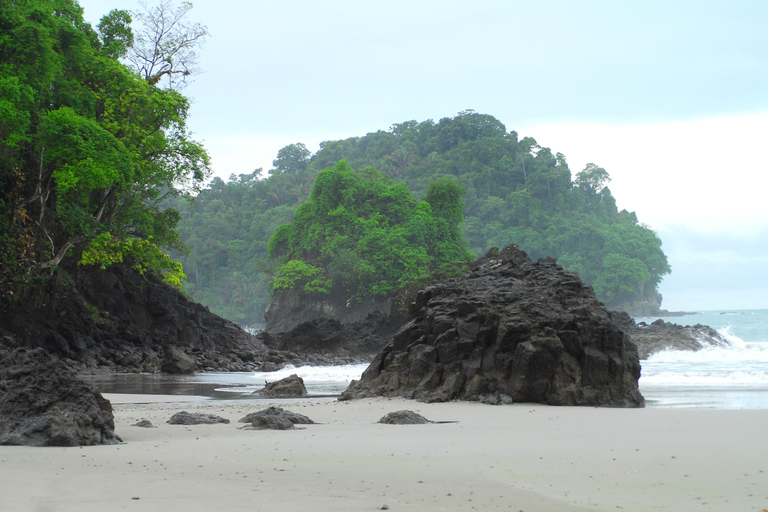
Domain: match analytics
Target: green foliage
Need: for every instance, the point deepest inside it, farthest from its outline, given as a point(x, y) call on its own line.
point(514, 192)
point(88, 148)
point(297, 273)
point(143, 255)
point(369, 234)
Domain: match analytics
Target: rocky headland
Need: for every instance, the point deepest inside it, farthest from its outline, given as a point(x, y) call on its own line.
point(660, 335)
point(512, 330)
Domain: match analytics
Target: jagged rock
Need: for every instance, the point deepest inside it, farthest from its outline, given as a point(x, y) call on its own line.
point(178, 362)
point(404, 417)
point(661, 335)
point(42, 403)
point(186, 418)
point(512, 328)
point(289, 387)
point(275, 418)
point(143, 424)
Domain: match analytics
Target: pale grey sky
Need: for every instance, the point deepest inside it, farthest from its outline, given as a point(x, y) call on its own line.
point(671, 97)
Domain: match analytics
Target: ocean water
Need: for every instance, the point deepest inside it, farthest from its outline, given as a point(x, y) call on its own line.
point(733, 377)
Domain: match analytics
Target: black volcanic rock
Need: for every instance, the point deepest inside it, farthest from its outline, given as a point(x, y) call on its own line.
point(42, 403)
point(404, 417)
point(661, 335)
point(118, 320)
point(511, 330)
point(275, 418)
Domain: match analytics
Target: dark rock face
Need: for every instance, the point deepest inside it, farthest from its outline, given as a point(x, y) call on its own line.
point(511, 330)
point(186, 418)
point(330, 338)
point(275, 418)
point(289, 387)
point(42, 403)
point(289, 309)
point(661, 335)
point(143, 424)
point(404, 417)
point(118, 320)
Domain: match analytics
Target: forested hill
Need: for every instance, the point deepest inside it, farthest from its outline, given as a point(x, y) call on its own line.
point(516, 192)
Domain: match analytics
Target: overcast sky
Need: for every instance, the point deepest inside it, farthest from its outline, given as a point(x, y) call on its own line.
point(670, 97)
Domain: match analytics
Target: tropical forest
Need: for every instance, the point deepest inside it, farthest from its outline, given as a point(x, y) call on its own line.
point(366, 215)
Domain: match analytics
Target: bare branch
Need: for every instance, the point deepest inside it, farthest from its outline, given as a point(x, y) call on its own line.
point(164, 48)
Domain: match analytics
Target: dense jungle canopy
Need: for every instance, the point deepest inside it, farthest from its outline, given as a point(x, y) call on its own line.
point(89, 146)
point(515, 192)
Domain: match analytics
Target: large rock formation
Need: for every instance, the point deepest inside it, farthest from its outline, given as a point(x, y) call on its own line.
point(42, 403)
point(511, 330)
point(119, 320)
point(661, 335)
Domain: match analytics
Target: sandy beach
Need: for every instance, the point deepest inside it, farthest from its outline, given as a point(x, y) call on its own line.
point(521, 457)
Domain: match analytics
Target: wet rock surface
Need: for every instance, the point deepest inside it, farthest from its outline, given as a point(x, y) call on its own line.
point(511, 330)
point(660, 335)
point(187, 418)
point(42, 403)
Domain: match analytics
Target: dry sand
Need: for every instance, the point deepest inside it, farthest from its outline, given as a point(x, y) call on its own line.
point(520, 457)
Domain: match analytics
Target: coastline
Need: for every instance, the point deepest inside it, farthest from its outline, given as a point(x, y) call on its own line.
point(520, 457)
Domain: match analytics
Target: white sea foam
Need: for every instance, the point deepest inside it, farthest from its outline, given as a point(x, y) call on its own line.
point(739, 365)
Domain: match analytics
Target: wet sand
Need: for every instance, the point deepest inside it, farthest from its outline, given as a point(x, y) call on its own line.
point(520, 457)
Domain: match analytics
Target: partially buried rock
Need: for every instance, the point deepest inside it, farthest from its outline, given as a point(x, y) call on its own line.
point(275, 418)
point(143, 424)
point(512, 330)
point(42, 403)
point(289, 387)
point(404, 417)
point(185, 418)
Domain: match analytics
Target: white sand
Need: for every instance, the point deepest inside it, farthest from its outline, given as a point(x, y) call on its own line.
point(521, 457)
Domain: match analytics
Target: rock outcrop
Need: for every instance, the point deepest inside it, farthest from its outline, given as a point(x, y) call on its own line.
point(42, 403)
point(290, 308)
point(511, 330)
point(119, 320)
point(661, 335)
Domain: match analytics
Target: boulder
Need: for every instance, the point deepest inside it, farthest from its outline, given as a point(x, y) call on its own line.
point(42, 403)
point(275, 418)
point(404, 417)
point(510, 330)
point(186, 418)
point(661, 335)
point(289, 387)
point(178, 362)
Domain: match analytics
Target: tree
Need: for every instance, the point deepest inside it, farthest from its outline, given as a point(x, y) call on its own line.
point(165, 46)
point(90, 149)
point(292, 159)
point(592, 179)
